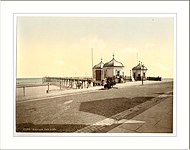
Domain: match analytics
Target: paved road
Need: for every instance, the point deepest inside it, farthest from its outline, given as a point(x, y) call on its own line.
point(98, 111)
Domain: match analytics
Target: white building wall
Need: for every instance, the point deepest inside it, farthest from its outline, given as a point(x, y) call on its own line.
point(112, 71)
point(121, 71)
point(102, 74)
point(137, 72)
point(109, 72)
point(94, 74)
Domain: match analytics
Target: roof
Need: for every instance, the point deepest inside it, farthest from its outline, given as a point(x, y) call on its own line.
point(139, 67)
point(99, 66)
point(113, 63)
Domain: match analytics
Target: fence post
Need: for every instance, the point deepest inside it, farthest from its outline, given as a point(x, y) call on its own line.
point(24, 90)
point(48, 88)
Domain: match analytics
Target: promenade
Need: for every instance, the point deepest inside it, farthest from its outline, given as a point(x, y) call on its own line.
point(55, 92)
point(127, 108)
point(157, 119)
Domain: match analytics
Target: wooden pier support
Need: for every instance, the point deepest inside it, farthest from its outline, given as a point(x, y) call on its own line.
point(70, 82)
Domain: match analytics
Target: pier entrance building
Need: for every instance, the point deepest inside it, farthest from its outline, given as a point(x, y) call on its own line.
point(139, 72)
point(113, 68)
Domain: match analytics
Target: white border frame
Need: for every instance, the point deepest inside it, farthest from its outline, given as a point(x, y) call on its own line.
point(9, 141)
point(144, 15)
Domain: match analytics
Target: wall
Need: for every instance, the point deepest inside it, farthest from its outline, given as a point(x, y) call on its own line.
point(120, 69)
point(112, 71)
point(137, 72)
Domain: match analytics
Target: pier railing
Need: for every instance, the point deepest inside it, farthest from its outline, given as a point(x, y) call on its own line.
point(51, 79)
point(58, 83)
point(70, 82)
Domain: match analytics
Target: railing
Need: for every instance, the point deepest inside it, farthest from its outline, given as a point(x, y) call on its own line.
point(51, 79)
point(60, 83)
point(25, 86)
point(70, 82)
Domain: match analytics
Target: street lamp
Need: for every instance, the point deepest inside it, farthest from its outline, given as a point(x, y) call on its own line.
point(142, 68)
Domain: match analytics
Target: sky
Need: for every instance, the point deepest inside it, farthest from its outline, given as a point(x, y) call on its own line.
point(61, 46)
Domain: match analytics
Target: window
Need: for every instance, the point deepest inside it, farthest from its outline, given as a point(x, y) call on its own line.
point(118, 73)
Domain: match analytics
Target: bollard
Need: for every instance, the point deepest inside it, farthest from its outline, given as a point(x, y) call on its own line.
point(60, 85)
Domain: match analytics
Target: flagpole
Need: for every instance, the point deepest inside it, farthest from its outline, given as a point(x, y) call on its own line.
point(92, 60)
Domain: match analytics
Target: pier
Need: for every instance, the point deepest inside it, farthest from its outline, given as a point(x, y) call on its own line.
point(55, 83)
point(70, 82)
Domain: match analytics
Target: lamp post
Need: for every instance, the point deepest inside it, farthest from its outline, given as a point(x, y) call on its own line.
point(92, 61)
point(142, 68)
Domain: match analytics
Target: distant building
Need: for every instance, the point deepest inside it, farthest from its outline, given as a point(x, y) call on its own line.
point(113, 68)
point(139, 71)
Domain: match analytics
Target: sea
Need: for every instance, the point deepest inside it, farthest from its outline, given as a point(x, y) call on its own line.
point(29, 81)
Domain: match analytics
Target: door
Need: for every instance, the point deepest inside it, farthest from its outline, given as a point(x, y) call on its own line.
point(98, 75)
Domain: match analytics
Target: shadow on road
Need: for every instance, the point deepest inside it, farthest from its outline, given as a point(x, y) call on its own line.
point(110, 107)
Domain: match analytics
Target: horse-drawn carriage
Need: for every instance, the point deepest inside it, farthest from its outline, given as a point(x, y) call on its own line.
point(109, 83)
